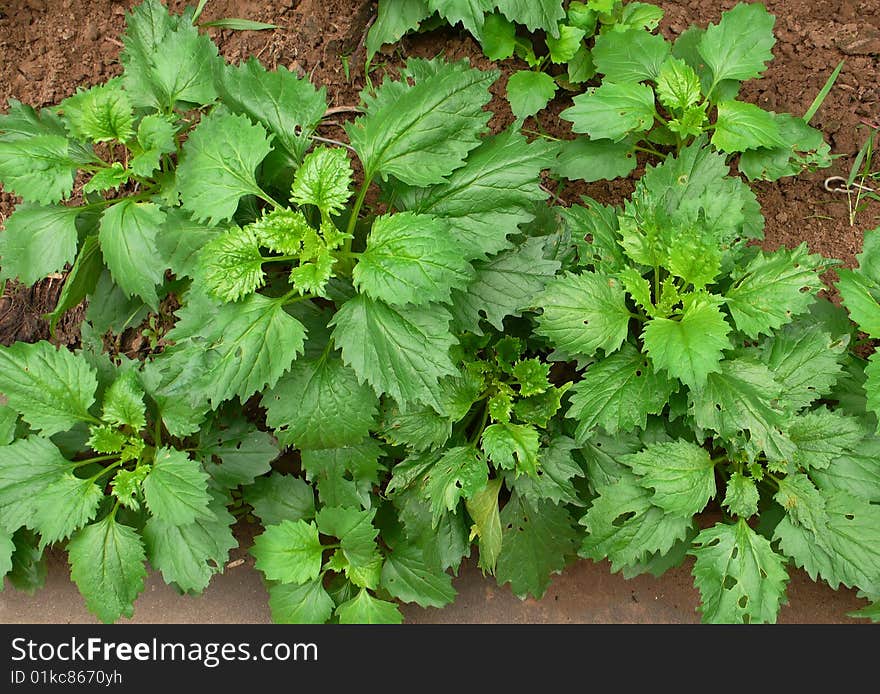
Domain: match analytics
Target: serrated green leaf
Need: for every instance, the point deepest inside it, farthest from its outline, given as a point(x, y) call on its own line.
point(407, 577)
point(64, 506)
point(625, 527)
point(740, 577)
point(146, 26)
point(612, 111)
point(678, 86)
point(277, 498)
point(124, 402)
point(289, 552)
point(7, 547)
point(51, 388)
point(488, 198)
point(804, 360)
point(618, 393)
point(535, 14)
point(845, 550)
point(39, 168)
point(107, 178)
point(288, 106)
point(537, 539)
point(127, 486)
point(128, 243)
point(631, 55)
point(742, 126)
point(355, 530)
point(176, 489)
point(681, 474)
point(182, 67)
point(155, 137)
point(860, 292)
point(803, 148)
point(365, 609)
point(482, 507)
point(107, 564)
point(37, 242)
point(773, 288)
point(460, 473)
point(323, 180)
point(512, 447)
point(503, 286)
point(411, 259)
point(218, 164)
point(738, 47)
point(468, 12)
point(425, 132)
point(690, 348)
point(320, 404)
point(823, 435)
point(528, 92)
point(555, 474)
point(855, 473)
point(308, 603)
point(189, 555)
point(101, 113)
point(22, 487)
point(594, 160)
point(803, 503)
point(583, 313)
point(401, 353)
point(742, 396)
point(230, 265)
point(564, 47)
point(741, 497)
point(180, 241)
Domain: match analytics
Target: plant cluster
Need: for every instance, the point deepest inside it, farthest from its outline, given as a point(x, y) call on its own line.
point(454, 367)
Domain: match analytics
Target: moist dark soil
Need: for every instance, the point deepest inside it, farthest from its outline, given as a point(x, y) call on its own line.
point(50, 47)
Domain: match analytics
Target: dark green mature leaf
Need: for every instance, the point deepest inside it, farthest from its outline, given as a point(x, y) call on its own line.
point(355, 530)
point(845, 550)
point(738, 47)
point(855, 473)
point(805, 361)
point(39, 168)
point(803, 148)
point(860, 294)
point(681, 474)
point(288, 106)
point(234, 452)
point(420, 428)
point(625, 527)
point(37, 242)
point(823, 435)
point(742, 126)
point(320, 404)
point(743, 396)
point(365, 609)
point(218, 164)
point(176, 489)
point(107, 564)
point(52, 389)
point(595, 160)
point(411, 259)
point(407, 577)
point(146, 26)
point(23, 486)
point(190, 555)
point(425, 131)
point(554, 480)
point(618, 393)
point(180, 241)
point(344, 476)
point(401, 353)
point(740, 577)
point(803, 503)
point(460, 473)
point(632, 55)
point(393, 21)
point(584, 313)
point(612, 111)
point(773, 288)
point(308, 603)
point(289, 552)
point(486, 200)
point(537, 540)
point(535, 14)
point(690, 348)
point(235, 349)
point(277, 498)
point(7, 547)
point(468, 12)
point(503, 286)
point(128, 243)
point(155, 137)
point(529, 91)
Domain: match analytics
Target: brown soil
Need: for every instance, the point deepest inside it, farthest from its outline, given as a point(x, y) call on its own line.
point(49, 47)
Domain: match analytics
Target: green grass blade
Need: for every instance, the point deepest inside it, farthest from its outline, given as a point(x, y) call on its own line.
point(239, 24)
point(820, 97)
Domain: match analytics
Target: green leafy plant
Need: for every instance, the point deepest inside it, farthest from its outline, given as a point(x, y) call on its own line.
point(720, 375)
point(657, 95)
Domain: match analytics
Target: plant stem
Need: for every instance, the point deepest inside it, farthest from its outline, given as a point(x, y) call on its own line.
point(104, 471)
point(88, 461)
point(355, 211)
point(649, 150)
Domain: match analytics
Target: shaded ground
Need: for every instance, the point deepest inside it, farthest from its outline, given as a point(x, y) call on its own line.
point(49, 47)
